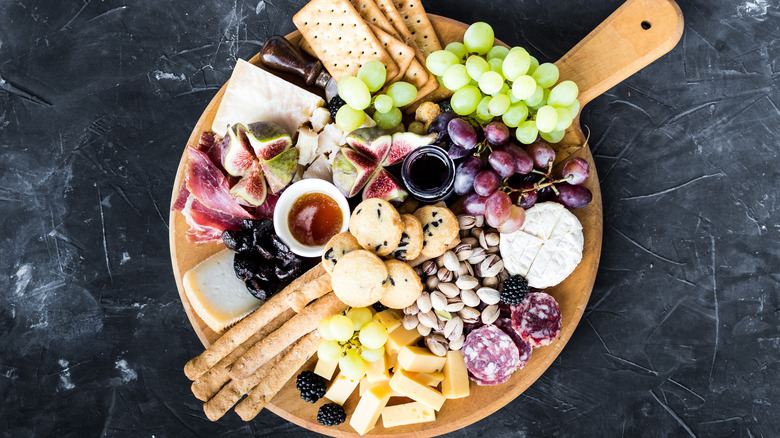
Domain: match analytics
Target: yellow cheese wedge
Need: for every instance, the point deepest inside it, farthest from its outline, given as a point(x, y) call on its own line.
point(430, 379)
point(405, 385)
point(456, 376)
point(325, 368)
point(370, 407)
point(401, 337)
point(216, 295)
point(419, 360)
point(408, 413)
point(376, 371)
point(341, 388)
point(389, 318)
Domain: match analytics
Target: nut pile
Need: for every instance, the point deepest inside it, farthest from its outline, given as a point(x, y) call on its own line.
point(461, 287)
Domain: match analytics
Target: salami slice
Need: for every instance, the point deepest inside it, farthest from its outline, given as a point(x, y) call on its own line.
point(537, 319)
point(482, 382)
point(524, 348)
point(490, 355)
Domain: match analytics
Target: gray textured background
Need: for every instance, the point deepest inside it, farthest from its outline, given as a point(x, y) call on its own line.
point(97, 98)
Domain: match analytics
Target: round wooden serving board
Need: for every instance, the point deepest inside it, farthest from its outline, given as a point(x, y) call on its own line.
point(616, 49)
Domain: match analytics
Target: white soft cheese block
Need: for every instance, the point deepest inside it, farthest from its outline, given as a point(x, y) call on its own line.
point(215, 293)
point(255, 95)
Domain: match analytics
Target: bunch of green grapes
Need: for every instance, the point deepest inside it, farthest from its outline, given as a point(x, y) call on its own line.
point(352, 339)
point(492, 81)
point(356, 92)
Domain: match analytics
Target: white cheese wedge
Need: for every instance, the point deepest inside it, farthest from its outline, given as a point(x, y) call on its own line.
point(307, 145)
point(547, 248)
point(320, 168)
point(408, 413)
point(329, 141)
point(254, 95)
point(319, 118)
point(216, 295)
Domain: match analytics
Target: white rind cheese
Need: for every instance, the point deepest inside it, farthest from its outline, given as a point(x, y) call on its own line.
point(547, 248)
point(216, 295)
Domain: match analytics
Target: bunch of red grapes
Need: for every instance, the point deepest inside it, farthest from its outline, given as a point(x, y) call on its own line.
point(511, 179)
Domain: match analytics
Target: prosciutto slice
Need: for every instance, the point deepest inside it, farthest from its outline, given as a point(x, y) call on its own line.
point(207, 224)
point(207, 183)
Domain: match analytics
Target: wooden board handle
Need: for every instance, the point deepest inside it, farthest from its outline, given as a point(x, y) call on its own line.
point(636, 34)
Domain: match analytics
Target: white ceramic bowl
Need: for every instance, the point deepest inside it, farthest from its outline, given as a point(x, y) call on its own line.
point(285, 202)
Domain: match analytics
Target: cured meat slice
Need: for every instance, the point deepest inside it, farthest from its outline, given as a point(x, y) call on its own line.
point(524, 349)
point(483, 382)
point(490, 355)
point(207, 183)
point(537, 319)
point(206, 224)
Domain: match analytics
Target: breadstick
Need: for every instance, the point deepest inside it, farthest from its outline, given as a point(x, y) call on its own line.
point(248, 326)
point(310, 292)
point(275, 380)
point(231, 393)
point(291, 331)
point(212, 380)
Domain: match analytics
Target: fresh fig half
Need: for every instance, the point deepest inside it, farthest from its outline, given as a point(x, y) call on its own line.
point(279, 170)
point(250, 190)
point(268, 139)
point(351, 171)
point(384, 186)
point(404, 143)
point(239, 158)
point(373, 142)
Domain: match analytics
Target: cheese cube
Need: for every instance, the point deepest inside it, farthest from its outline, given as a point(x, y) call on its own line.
point(403, 384)
point(370, 407)
point(389, 318)
point(325, 368)
point(364, 385)
point(376, 371)
point(408, 413)
point(430, 379)
point(392, 361)
point(401, 337)
point(341, 388)
point(420, 360)
point(456, 376)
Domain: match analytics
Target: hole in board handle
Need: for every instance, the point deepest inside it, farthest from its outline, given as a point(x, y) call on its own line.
point(645, 25)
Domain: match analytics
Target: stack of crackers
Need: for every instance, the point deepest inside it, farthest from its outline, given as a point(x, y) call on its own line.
point(345, 34)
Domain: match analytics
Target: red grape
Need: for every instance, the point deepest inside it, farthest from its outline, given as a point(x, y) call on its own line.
point(475, 204)
point(503, 163)
point(462, 134)
point(514, 222)
point(542, 154)
point(524, 164)
point(527, 199)
point(573, 196)
point(576, 171)
point(439, 126)
point(465, 174)
point(455, 152)
point(496, 133)
point(486, 182)
point(497, 208)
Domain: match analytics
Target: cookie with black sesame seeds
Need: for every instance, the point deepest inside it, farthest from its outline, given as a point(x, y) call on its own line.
point(377, 226)
point(411, 239)
point(403, 285)
point(336, 247)
point(359, 278)
point(439, 226)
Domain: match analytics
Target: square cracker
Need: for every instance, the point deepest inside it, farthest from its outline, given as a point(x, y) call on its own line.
point(340, 37)
point(416, 20)
point(391, 13)
point(402, 54)
point(373, 15)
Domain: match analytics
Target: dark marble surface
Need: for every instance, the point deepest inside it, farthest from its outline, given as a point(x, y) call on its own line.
point(97, 98)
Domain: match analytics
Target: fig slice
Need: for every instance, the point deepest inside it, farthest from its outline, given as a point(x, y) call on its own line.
point(250, 190)
point(404, 143)
point(268, 139)
point(351, 171)
point(373, 142)
point(239, 159)
point(384, 186)
point(279, 170)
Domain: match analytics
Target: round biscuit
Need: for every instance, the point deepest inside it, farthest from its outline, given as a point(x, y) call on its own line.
point(359, 278)
point(377, 226)
point(336, 247)
point(403, 285)
point(440, 228)
point(411, 242)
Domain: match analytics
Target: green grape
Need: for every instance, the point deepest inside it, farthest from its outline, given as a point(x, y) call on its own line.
point(563, 94)
point(372, 354)
point(516, 63)
point(329, 351)
point(359, 316)
point(324, 329)
point(499, 104)
point(474, 83)
point(354, 92)
point(476, 66)
point(490, 82)
point(564, 118)
point(465, 100)
point(553, 137)
point(388, 120)
point(523, 87)
point(348, 119)
point(383, 103)
point(455, 77)
point(504, 90)
point(574, 108)
point(341, 328)
point(497, 52)
point(526, 132)
point(352, 365)
point(495, 65)
point(515, 115)
point(483, 110)
point(537, 97)
point(479, 38)
point(418, 128)
point(403, 93)
point(438, 61)
point(373, 334)
point(532, 68)
point(546, 118)
point(458, 49)
point(373, 74)
point(546, 75)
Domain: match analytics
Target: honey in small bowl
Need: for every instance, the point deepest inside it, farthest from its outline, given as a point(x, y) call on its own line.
point(314, 218)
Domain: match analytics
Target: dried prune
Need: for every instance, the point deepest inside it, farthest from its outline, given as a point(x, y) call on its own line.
point(230, 240)
point(244, 241)
point(265, 272)
point(257, 289)
point(245, 265)
point(287, 271)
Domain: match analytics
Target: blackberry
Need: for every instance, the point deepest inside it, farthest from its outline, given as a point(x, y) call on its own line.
point(379, 306)
point(312, 386)
point(445, 105)
point(331, 414)
point(334, 105)
point(514, 290)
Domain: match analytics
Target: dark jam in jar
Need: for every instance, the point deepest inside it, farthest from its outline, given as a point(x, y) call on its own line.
point(314, 218)
point(428, 173)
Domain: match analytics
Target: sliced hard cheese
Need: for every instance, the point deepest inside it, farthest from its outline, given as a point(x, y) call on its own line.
point(254, 95)
point(307, 146)
point(408, 413)
point(547, 248)
point(370, 407)
point(401, 337)
point(430, 379)
point(341, 388)
point(376, 371)
point(456, 376)
point(216, 295)
point(405, 385)
point(389, 318)
point(419, 360)
point(325, 368)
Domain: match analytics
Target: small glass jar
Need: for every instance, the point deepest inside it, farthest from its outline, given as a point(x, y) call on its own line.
point(428, 173)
